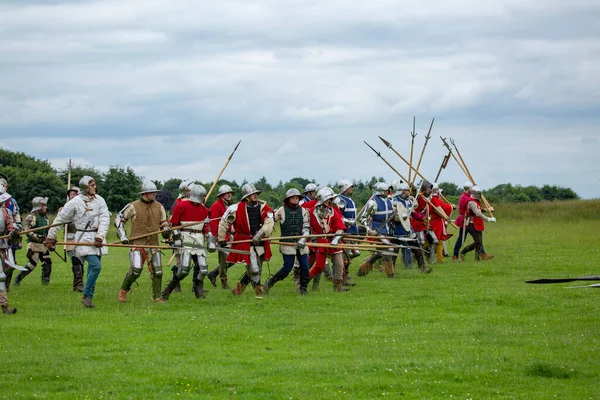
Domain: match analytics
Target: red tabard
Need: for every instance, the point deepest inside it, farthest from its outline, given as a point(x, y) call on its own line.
point(462, 209)
point(335, 223)
point(420, 208)
point(437, 223)
point(309, 204)
point(477, 222)
point(189, 211)
point(214, 212)
point(241, 226)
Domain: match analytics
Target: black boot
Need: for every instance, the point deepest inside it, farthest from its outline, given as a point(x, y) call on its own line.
point(46, 272)
point(199, 291)
point(177, 288)
point(20, 277)
point(77, 277)
point(212, 276)
point(316, 280)
point(8, 311)
point(173, 283)
point(9, 274)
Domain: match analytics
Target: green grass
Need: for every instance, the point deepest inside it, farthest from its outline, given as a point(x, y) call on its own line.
point(468, 330)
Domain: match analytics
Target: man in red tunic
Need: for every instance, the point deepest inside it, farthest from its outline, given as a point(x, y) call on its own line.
point(215, 212)
point(194, 214)
point(438, 222)
point(475, 226)
point(252, 220)
point(325, 219)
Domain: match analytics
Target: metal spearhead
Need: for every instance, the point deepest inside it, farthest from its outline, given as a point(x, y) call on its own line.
point(387, 144)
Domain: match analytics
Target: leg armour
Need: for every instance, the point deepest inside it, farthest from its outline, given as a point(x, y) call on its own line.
point(183, 269)
point(46, 268)
point(135, 269)
point(156, 275)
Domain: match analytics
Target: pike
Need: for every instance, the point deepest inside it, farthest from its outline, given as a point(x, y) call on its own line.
point(384, 160)
point(222, 170)
point(341, 247)
point(158, 247)
point(423, 151)
point(561, 280)
point(489, 207)
point(52, 225)
point(172, 228)
point(443, 165)
point(65, 228)
point(412, 146)
point(64, 259)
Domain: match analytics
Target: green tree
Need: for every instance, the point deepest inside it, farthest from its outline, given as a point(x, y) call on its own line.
point(121, 186)
point(78, 172)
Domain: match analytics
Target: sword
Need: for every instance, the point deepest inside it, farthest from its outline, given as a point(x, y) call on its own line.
point(13, 265)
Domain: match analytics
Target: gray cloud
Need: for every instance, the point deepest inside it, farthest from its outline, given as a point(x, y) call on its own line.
point(516, 83)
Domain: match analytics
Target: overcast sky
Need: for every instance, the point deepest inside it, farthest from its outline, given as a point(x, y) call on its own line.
point(169, 87)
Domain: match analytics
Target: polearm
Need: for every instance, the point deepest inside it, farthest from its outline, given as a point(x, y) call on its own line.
point(65, 228)
point(347, 247)
point(443, 166)
point(173, 228)
point(412, 146)
point(150, 246)
point(38, 229)
point(422, 151)
point(315, 236)
point(386, 161)
point(222, 170)
point(489, 207)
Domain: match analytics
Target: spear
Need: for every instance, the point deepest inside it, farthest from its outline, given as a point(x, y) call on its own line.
point(389, 146)
point(158, 247)
point(489, 207)
point(173, 228)
point(442, 166)
point(341, 246)
point(223, 169)
point(384, 160)
point(412, 146)
point(423, 150)
point(38, 229)
point(65, 228)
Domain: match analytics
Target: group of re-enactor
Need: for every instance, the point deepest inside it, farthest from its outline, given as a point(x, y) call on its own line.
point(396, 215)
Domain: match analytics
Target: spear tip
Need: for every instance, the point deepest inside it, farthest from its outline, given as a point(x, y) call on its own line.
point(388, 144)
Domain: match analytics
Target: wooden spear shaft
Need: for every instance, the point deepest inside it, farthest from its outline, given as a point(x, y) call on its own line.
point(129, 246)
point(423, 150)
point(342, 246)
point(439, 212)
point(159, 231)
point(223, 169)
point(68, 187)
point(412, 146)
point(36, 229)
point(389, 165)
point(489, 207)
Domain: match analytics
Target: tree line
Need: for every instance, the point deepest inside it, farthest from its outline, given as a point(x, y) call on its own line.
point(29, 177)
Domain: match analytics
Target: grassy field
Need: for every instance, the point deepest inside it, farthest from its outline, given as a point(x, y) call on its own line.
point(468, 330)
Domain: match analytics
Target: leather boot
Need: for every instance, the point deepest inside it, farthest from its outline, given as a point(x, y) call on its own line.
point(46, 272)
point(224, 284)
point(8, 311)
point(77, 278)
point(485, 257)
point(173, 283)
point(316, 281)
point(87, 302)
point(20, 277)
point(199, 290)
point(9, 274)
point(364, 268)
point(338, 286)
point(258, 291)
point(177, 287)
point(388, 267)
point(212, 276)
point(268, 284)
point(238, 289)
point(122, 296)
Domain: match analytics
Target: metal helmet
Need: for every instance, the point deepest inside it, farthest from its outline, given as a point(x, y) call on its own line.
point(468, 185)
point(73, 189)
point(197, 193)
point(475, 189)
point(184, 186)
point(224, 189)
point(344, 184)
point(310, 187)
point(326, 193)
point(402, 186)
point(291, 193)
point(380, 188)
point(84, 183)
point(149, 187)
point(38, 202)
point(249, 189)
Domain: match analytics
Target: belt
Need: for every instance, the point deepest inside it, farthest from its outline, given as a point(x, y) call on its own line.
point(87, 230)
point(192, 230)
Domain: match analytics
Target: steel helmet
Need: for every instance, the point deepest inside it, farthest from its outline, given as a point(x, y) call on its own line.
point(38, 202)
point(380, 188)
point(197, 193)
point(344, 184)
point(310, 188)
point(84, 183)
point(291, 193)
point(224, 189)
point(326, 193)
point(249, 189)
point(149, 187)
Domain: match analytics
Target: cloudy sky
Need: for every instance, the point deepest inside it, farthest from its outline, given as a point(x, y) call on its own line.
point(169, 87)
